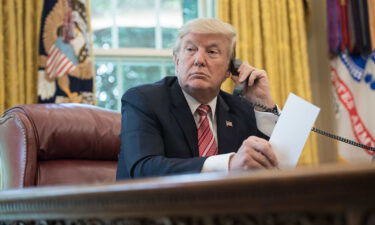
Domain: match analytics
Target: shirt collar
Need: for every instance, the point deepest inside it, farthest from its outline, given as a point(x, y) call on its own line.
point(194, 104)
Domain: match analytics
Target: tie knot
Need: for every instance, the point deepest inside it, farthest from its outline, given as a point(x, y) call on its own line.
point(203, 110)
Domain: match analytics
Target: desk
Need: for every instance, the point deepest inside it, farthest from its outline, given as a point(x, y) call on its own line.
point(332, 194)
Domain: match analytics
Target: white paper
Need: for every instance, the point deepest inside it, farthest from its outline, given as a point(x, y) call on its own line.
point(292, 130)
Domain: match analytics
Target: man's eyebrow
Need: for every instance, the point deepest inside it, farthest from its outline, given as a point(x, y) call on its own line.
point(189, 42)
point(213, 45)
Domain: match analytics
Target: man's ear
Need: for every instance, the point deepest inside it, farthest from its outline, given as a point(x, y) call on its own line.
point(176, 59)
point(227, 74)
point(176, 63)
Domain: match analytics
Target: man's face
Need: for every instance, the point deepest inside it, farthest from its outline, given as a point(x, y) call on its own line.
point(202, 63)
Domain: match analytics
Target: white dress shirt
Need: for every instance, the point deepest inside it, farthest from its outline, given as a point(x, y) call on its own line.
point(265, 122)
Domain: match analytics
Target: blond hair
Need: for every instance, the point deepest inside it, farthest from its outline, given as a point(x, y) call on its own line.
point(207, 26)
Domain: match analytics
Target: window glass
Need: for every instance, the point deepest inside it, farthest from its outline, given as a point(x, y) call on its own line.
point(107, 84)
point(171, 18)
point(169, 36)
point(137, 37)
point(135, 74)
point(190, 10)
point(102, 23)
point(136, 21)
point(170, 69)
point(139, 24)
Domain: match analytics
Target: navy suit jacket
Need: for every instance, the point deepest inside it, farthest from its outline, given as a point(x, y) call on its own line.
point(159, 135)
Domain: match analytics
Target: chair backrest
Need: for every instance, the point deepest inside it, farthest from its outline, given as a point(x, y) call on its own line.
point(56, 144)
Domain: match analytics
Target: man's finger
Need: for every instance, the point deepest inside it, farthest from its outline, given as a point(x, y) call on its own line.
point(245, 73)
point(253, 164)
point(245, 70)
point(271, 155)
point(261, 159)
point(263, 147)
point(252, 78)
point(256, 75)
point(268, 150)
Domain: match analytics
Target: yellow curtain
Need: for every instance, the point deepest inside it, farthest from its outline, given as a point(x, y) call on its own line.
point(19, 41)
point(272, 36)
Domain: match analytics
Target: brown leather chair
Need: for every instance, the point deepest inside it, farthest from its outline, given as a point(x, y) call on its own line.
point(58, 144)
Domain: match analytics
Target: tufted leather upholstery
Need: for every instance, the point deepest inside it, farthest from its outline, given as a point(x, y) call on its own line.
point(54, 144)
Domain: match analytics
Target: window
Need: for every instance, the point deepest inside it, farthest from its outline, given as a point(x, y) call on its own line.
point(133, 39)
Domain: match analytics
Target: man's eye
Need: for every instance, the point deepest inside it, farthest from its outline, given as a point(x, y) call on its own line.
point(189, 49)
point(213, 52)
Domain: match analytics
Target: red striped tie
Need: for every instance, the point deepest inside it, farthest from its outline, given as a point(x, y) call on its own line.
point(206, 140)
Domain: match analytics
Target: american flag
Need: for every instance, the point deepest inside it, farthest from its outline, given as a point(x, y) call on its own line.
point(61, 59)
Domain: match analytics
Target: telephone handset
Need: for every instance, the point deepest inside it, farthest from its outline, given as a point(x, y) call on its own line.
point(238, 91)
point(233, 68)
point(234, 65)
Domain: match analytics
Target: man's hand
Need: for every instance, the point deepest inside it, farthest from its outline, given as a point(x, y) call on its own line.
point(257, 89)
point(254, 153)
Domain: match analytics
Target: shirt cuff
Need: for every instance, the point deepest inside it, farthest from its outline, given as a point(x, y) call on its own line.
point(217, 163)
point(266, 121)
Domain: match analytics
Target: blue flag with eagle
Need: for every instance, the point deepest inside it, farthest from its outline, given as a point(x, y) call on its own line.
point(65, 67)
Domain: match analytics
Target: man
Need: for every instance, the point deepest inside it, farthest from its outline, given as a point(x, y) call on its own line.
point(185, 124)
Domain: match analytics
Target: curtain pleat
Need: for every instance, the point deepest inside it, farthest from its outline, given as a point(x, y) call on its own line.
point(19, 38)
point(2, 76)
point(371, 15)
point(11, 87)
point(19, 12)
point(30, 52)
point(256, 40)
point(32, 29)
point(272, 36)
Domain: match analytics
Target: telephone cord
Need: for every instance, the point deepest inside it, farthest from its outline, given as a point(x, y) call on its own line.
point(321, 132)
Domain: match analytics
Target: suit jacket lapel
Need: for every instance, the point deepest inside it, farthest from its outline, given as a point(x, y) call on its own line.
point(227, 128)
point(181, 111)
